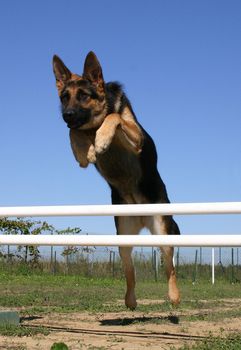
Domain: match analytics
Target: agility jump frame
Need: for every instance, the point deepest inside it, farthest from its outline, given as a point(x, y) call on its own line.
point(124, 210)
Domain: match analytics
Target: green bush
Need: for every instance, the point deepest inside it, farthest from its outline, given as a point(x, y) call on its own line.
point(59, 346)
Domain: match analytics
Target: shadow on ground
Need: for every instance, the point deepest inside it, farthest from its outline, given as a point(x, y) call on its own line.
point(128, 321)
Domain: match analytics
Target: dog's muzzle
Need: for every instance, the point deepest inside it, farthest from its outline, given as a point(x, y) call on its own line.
point(75, 119)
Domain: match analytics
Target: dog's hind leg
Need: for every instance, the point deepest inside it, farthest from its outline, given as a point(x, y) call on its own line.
point(128, 225)
point(173, 291)
point(166, 225)
point(130, 298)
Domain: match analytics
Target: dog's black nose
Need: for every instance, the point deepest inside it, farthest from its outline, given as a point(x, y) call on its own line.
point(69, 115)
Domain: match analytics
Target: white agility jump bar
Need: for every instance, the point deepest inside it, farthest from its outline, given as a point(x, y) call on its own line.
point(124, 210)
point(124, 240)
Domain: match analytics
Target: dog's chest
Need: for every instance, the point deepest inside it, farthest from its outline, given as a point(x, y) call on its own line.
point(120, 168)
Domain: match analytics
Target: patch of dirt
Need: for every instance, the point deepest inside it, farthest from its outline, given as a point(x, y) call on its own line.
point(124, 330)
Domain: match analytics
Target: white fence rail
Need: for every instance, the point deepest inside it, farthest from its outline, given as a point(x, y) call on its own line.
point(124, 240)
point(124, 210)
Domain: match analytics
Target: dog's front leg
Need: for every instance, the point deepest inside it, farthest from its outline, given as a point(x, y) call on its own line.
point(82, 147)
point(105, 134)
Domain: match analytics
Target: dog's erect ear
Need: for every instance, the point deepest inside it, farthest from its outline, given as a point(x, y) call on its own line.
point(61, 72)
point(92, 70)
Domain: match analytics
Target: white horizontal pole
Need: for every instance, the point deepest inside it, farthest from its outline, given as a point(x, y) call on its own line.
point(124, 240)
point(124, 210)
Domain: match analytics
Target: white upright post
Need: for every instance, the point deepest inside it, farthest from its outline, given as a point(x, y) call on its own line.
point(213, 262)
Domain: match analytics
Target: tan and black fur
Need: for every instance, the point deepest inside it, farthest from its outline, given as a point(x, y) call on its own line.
point(104, 131)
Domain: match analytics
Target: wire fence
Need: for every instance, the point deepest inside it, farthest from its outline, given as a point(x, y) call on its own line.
point(192, 264)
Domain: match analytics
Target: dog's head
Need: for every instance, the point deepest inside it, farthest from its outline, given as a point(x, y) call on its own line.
point(82, 98)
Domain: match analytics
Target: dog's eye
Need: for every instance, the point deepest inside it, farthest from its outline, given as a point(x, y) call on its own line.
point(82, 96)
point(85, 97)
point(64, 97)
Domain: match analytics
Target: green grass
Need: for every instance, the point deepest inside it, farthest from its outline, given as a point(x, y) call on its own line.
point(214, 316)
point(46, 293)
point(22, 331)
point(231, 342)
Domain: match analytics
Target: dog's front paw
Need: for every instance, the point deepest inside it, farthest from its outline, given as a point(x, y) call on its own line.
point(102, 142)
point(91, 156)
point(83, 163)
point(105, 134)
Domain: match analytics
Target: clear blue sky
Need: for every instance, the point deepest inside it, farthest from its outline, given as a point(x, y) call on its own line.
point(179, 62)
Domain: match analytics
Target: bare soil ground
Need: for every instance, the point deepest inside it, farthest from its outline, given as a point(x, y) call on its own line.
point(125, 330)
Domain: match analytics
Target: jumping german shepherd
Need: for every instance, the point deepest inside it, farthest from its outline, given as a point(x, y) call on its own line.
point(104, 131)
